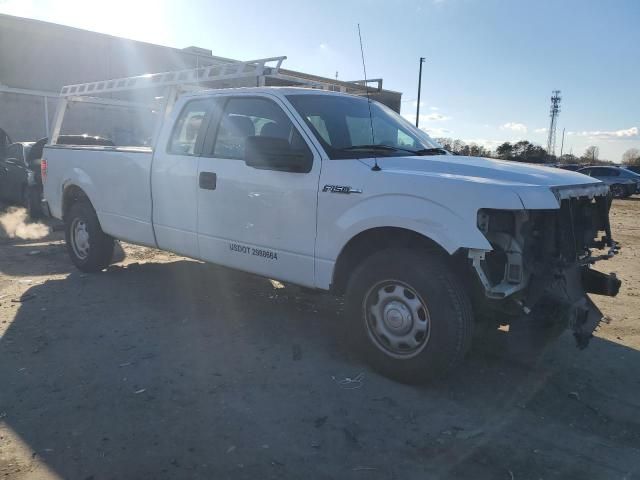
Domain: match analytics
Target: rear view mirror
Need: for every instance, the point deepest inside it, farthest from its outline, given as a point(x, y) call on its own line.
point(272, 153)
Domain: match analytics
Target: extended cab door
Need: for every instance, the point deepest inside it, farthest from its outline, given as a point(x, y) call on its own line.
point(259, 219)
point(175, 178)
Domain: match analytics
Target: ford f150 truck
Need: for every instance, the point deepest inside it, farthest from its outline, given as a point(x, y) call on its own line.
point(336, 192)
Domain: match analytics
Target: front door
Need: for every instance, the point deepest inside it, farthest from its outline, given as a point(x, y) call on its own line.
point(260, 220)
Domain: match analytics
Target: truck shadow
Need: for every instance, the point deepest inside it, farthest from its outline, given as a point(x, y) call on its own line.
point(183, 370)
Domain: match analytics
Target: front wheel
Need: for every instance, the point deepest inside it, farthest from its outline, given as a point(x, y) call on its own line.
point(617, 191)
point(88, 246)
point(409, 314)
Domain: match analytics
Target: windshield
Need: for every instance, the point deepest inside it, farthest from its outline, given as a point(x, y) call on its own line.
point(343, 126)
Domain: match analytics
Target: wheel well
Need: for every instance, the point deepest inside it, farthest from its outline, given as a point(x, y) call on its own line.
point(71, 195)
point(371, 241)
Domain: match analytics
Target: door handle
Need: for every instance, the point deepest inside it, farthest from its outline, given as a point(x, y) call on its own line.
point(207, 180)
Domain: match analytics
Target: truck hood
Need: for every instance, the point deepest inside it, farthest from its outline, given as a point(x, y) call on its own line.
point(537, 186)
point(487, 170)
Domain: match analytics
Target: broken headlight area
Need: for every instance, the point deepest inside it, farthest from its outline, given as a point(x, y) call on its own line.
point(545, 256)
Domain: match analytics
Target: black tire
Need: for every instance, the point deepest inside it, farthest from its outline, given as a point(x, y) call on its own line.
point(99, 246)
point(617, 191)
point(448, 312)
point(31, 201)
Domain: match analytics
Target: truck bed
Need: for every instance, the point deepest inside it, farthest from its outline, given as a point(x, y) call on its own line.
point(117, 179)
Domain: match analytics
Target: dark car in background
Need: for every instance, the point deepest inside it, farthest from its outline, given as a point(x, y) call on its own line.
point(622, 182)
point(5, 141)
point(17, 178)
point(20, 178)
point(570, 166)
point(633, 168)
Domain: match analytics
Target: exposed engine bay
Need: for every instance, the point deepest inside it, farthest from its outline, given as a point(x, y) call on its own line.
point(546, 255)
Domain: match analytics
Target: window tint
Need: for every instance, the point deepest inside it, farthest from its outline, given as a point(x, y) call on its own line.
point(189, 127)
point(627, 173)
point(253, 117)
point(601, 172)
point(359, 130)
point(320, 126)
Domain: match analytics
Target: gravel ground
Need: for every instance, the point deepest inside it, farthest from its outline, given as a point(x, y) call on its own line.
point(163, 367)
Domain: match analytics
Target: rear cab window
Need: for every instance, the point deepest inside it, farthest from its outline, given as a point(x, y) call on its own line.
point(189, 128)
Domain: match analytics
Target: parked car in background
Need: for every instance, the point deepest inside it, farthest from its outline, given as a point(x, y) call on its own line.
point(570, 166)
point(622, 183)
point(20, 178)
point(5, 141)
point(16, 175)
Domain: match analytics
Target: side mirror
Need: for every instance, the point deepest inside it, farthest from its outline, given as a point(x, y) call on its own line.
point(272, 153)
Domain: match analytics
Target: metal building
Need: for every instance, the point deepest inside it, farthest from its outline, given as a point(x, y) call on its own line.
point(38, 58)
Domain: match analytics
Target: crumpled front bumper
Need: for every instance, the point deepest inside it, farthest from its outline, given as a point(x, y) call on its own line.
point(584, 316)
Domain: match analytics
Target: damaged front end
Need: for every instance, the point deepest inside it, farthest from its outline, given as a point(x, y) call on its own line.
point(543, 257)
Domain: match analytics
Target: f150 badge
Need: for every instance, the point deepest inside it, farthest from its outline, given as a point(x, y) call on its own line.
point(340, 189)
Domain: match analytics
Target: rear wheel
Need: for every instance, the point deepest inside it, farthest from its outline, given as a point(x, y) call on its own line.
point(409, 315)
point(88, 246)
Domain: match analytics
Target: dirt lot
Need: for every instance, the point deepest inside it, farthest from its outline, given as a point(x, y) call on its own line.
point(162, 367)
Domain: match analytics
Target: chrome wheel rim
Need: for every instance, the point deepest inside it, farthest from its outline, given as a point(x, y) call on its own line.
point(80, 238)
point(397, 319)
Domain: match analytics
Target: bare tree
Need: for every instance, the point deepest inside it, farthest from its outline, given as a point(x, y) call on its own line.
point(591, 154)
point(631, 157)
point(568, 159)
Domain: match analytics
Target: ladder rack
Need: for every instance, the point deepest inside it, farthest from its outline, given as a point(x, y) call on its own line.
point(172, 84)
point(221, 71)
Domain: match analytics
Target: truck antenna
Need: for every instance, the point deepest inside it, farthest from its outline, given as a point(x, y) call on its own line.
point(375, 167)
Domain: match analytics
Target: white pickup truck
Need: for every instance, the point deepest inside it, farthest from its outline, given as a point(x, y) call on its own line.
point(338, 193)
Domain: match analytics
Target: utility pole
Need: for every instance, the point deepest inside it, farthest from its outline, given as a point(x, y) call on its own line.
point(419, 88)
point(562, 144)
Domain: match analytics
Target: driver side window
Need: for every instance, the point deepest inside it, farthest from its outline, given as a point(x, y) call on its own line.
point(250, 117)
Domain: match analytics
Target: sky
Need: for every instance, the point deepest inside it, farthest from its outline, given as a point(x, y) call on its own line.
point(491, 64)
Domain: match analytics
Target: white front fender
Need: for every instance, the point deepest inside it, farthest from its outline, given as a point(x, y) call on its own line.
point(451, 230)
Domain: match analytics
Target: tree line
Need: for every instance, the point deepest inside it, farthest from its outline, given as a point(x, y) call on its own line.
point(525, 151)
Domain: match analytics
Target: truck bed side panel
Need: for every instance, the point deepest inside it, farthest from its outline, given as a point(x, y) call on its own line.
point(117, 182)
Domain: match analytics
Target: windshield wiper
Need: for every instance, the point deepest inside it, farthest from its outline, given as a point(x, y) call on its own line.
point(391, 148)
point(431, 151)
point(387, 148)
